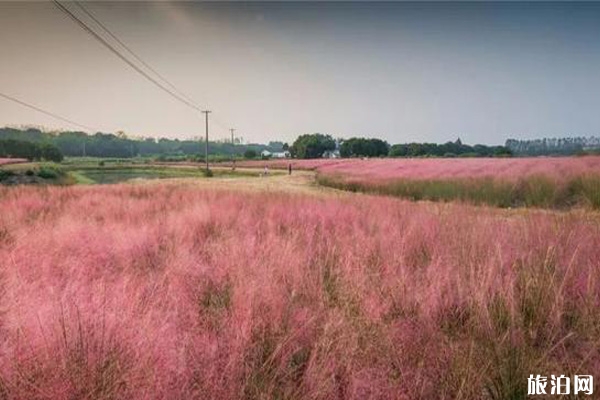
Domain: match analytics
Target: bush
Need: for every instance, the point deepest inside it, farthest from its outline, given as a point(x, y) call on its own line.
point(29, 172)
point(4, 174)
point(47, 172)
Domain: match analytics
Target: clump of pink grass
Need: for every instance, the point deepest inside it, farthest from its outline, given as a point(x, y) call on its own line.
point(6, 161)
point(172, 292)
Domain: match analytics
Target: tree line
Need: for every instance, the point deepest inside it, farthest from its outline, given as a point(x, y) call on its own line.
point(315, 145)
point(554, 146)
point(74, 144)
point(11, 148)
point(448, 149)
point(80, 144)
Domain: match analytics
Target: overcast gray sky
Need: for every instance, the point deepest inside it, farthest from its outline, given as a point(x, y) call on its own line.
point(399, 71)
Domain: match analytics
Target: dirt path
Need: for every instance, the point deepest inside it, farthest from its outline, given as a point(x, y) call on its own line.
point(300, 182)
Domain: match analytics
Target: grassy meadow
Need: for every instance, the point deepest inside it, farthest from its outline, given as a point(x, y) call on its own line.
point(175, 290)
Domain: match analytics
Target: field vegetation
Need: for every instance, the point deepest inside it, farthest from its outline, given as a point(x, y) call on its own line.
point(89, 170)
point(547, 183)
point(173, 292)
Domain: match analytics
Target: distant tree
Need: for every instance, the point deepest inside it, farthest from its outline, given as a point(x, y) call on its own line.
point(120, 145)
point(448, 149)
point(362, 147)
point(250, 154)
point(50, 152)
point(29, 150)
point(399, 150)
point(20, 149)
point(275, 146)
point(285, 147)
point(553, 146)
point(312, 145)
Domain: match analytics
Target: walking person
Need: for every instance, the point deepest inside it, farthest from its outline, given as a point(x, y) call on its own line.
point(289, 168)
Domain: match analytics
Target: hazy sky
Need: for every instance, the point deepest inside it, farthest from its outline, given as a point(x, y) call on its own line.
point(398, 71)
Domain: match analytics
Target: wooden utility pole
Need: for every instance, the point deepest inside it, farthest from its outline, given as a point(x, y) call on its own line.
point(206, 142)
point(232, 149)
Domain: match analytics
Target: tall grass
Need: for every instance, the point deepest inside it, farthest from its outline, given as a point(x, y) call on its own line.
point(173, 292)
point(442, 168)
point(531, 191)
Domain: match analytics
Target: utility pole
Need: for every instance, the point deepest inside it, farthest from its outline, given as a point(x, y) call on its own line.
point(232, 149)
point(206, 142)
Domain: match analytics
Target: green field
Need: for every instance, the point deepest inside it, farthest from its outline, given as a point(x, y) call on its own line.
point(96, 171)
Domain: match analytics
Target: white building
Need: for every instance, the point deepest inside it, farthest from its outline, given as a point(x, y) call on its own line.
point(280, 154)
point(331, 154)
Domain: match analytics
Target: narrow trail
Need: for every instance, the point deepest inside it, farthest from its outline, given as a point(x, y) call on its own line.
point(299, 182)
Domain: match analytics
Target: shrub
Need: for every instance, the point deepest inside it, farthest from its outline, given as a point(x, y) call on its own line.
point(4, 174)
point(48, 172)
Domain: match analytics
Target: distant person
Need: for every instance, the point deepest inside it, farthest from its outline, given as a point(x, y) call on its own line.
point(266, 172)
point(289, 168)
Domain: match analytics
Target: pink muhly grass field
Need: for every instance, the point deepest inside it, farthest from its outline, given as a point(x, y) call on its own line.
point(504, 182)
point(384, 169)
point(174, 292)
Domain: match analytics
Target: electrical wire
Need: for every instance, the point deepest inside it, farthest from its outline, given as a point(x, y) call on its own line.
point(130, 51)
point(99, 38)
point(51, 114)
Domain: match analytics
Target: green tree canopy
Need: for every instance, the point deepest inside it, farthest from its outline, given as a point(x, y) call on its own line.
point(312, 145)
point(29, 150)
point(363, 147)
point(250, 154)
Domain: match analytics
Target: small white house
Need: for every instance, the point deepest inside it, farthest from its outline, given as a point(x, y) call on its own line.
point(281, 154)
point(277, 154)
point(331, 154)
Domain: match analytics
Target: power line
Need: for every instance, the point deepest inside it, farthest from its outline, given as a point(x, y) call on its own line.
point(206, 142)
point(45, 112)
point(174, 91)
point(141, 61)
point(99, 38)
point(138, 58)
